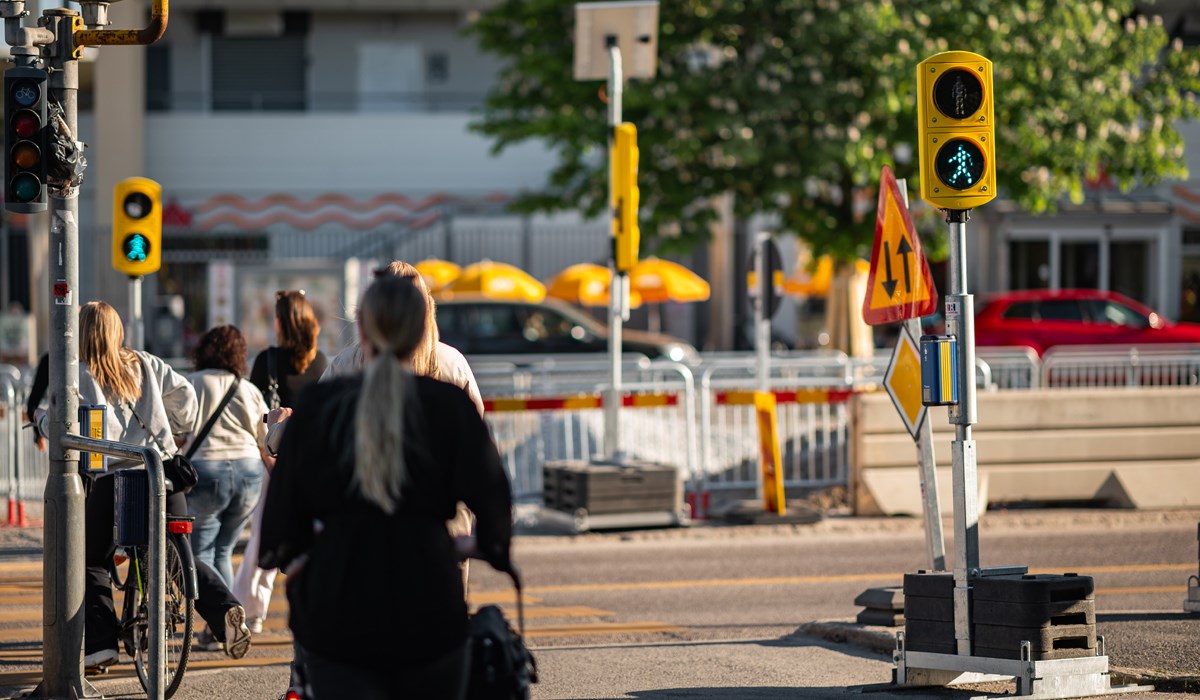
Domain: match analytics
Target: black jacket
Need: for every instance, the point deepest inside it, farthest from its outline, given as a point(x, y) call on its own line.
point(382, 590)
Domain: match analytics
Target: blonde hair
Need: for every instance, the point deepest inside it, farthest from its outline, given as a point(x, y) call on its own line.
point(425, 358)
point(101, 346)
point(392, 319)
point(298, 328)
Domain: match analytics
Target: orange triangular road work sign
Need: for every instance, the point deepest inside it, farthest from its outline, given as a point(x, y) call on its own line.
point(899, 287)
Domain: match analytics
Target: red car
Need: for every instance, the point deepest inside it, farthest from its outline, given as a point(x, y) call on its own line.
point(1041, 318)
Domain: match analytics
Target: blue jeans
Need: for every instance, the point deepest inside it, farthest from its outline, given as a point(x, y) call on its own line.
point(222, 502)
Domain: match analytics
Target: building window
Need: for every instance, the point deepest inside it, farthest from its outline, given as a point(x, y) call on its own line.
point(259, 60)
point(1029, 265)
point(158, 77)
point(437, 68)
point(259, 73)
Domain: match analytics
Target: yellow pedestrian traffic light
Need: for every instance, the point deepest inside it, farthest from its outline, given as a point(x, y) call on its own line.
point(956, 127)
point(625, 194)
point(137, 226)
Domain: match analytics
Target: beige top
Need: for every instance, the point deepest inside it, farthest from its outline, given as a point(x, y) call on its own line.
point(453, 369)
point(240, 429)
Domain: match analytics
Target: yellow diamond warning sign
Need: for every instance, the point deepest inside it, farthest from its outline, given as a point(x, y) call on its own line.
point(899, 286)
point(903, 382)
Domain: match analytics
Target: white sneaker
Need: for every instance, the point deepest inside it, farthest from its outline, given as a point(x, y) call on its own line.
point(237, 635)
point(100, 660)
point(255, 625)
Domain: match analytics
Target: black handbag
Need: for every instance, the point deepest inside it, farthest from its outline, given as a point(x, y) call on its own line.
point(502, 668)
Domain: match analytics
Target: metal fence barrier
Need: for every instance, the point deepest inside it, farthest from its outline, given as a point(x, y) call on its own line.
point(554, 412)
point(543, 408)
point(23, 468)
point(1078, 367)
point(813, 423)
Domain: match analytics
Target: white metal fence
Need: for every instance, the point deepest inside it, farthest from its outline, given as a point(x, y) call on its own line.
point(547, 408)
point(23, 468)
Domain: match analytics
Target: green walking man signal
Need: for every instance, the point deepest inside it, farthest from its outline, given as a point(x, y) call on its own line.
point(137, 226)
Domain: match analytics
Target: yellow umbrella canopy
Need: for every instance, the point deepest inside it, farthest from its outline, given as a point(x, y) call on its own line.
point(438, 273)
point(815, 283)
point(660, 281)
point(586, 284)
point(497, 281)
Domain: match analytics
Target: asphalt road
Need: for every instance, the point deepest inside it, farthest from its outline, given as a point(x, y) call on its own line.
point(745, 592)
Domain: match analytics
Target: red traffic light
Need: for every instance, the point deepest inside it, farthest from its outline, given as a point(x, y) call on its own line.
point(26, 124)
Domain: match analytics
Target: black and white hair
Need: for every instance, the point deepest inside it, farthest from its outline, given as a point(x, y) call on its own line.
point(391, 319)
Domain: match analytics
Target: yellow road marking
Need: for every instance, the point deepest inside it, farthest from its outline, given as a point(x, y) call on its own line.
point(1141, 589)
point(600, 628)
point(126, 670)
point(827, 578)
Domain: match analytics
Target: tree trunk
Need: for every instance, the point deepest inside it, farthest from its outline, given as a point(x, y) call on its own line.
point(843, 313)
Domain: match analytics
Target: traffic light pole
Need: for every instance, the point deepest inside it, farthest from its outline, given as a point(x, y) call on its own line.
point(137, 326)
point(618, 289)
point(960, 322)
point(63, 559)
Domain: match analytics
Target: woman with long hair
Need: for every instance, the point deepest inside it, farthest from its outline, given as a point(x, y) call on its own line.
point(229, 459)
point(149, 405)
point(370, 468)
point(279, 372)
point(295, 361)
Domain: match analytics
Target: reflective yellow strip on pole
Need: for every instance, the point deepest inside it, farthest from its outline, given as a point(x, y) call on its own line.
point(769, 455)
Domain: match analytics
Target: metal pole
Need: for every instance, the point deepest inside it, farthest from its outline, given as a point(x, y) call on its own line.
point(762, 324)
point(137, 328)
point(157, 549)
point(63, 559)
point(960, 323)
point(619, 288)
point(935, 539)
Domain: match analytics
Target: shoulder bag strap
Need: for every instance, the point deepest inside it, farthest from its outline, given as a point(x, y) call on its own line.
point(212, 420)
point(161, 448)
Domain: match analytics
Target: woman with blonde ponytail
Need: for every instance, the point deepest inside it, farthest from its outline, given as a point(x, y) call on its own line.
point(369, 469)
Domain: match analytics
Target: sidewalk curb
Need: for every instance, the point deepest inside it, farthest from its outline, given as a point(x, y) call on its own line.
point(880, 640)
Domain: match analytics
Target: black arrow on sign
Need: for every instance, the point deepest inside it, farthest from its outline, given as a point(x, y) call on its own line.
point(889, 285)
point(904, 249)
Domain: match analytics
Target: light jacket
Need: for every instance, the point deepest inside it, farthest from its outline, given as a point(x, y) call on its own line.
point(452, 369)
point(167, 406)
point(240, 427)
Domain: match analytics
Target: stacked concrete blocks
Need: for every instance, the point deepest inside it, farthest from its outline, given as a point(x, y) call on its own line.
point(1055, 613)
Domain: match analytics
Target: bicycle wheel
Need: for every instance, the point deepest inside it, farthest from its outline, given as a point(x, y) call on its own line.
point(177, 624)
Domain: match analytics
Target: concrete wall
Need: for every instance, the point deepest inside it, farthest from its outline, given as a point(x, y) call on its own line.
point(357, 154)
point(1131, 447)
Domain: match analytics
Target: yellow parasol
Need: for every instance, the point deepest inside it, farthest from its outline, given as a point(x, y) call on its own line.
point(496, 281)
point(586, 284)
point(660, 281)
point(815, 282)
point(438, 273)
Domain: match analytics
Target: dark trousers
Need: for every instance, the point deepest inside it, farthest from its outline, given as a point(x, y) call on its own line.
point(326, 679)
point(100, 616)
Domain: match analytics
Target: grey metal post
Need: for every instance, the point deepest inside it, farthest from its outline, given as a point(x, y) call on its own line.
point(137, 326)
point(619, 287)
point(63, 562)
point(156, 551)
point(762, 324)
point(960, 322)
point(935, 539)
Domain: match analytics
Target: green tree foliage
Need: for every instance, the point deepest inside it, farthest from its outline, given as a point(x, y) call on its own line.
point(794, 105)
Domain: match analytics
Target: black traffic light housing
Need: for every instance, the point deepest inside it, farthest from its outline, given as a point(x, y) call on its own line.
point(26, 139)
